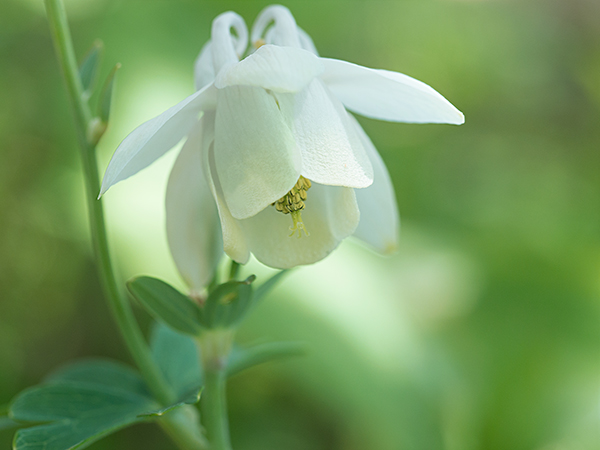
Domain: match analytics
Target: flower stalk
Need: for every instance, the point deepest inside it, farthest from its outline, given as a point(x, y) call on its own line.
point(119, 305)
point(215, 346)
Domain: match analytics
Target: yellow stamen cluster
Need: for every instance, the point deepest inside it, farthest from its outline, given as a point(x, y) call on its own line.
point(293, 202)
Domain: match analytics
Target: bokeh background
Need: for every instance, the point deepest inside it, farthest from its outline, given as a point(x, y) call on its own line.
point(482, 333)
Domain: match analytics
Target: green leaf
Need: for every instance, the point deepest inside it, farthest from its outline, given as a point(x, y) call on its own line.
point(88, 70)
point(177, 356)
point(245, 358)
point(103, 372)
point(167, 304)
point(227, 305)
point(76, 414)
point(268, 285)
point(87, 400)
point(192, 400)
point(105, 100)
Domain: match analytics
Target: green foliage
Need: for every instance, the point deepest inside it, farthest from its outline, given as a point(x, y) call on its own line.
point(105, 100)
point(83, 402)
point(167, 304)
point(268, 285)
point(225, 306)
point(88, 70)
point(192, 400)
point(245, 358)
point(6, 423)
point(77, 409)
point(177, 356)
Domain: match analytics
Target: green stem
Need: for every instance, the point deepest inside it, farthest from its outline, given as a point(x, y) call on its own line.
point(119, 305)
point(215, 347)
point(214, 409)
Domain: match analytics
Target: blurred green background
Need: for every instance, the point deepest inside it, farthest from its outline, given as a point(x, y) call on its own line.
point(482, 333)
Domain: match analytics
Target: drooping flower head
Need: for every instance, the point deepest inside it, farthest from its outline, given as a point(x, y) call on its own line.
point(274, 164)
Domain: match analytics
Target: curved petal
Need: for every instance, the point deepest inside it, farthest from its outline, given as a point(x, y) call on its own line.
point(255, 152)
point(283, 29)
point(379, 219)
point(331, 214)
point(234, 242)
point(306, 41)
point(154, 138)
point(280, 69)
point(385, 95)
point(332, 152)
point(193, 228)
point(204, 69)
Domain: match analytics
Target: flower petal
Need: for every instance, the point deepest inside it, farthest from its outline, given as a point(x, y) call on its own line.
point(332, 152)
point(154, 138)
point(379, 219)
point(331, 214)
point(280, 69)
point(193, 227)
point(204, 69)
point(385, 95)
point(234, 242)
point(255, 152)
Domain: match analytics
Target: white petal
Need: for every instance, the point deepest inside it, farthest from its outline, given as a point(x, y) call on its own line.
point(331, 214)
point(154, 138)
point(227, 47)
point(332, 152)
point(306, 41)
point(280, 69)
point(204, 70)
point(255, 152)
point(379, 219)
point(193, 227)
point(283, 31)
point(234, 242)
point(385, 95)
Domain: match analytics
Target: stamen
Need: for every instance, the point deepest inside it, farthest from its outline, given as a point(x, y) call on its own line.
point(298, 225)
point(259, 43)
point(293, 202)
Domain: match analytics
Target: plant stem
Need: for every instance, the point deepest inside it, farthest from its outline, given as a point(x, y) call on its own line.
point(215, 346)
point(119, 305)
point(214, 409)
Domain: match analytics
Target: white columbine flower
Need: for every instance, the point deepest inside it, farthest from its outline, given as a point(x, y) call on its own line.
point(274, 152)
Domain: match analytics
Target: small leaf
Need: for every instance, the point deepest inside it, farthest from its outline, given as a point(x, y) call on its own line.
point(105, 100)
point(77, 413)
point(177, 356)
point(167, 304)
point(244, 358)
point(268, 285)
point(227, 304)
point(88, 70)
point(192, 400)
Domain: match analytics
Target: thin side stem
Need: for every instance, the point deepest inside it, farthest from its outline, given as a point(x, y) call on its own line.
point(119, 305)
